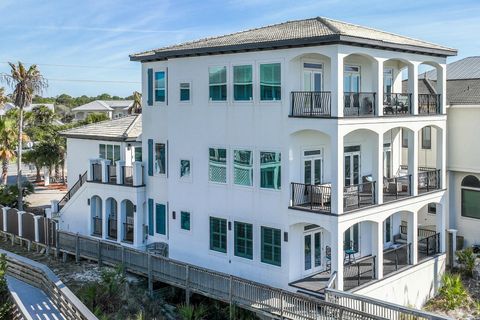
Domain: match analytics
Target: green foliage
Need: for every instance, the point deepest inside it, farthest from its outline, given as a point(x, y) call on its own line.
point(95, 117)
point(190, 312)
point(452, 293)
point(4, 302)
point(9, 194)
point(466, 258)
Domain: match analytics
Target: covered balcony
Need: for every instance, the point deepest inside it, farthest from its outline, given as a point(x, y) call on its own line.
point(103, 171)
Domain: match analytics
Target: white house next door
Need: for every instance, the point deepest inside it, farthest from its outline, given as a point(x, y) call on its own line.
point(312, 251)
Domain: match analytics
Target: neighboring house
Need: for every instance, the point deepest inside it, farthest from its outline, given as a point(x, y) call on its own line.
point(7, 106)
point(112, 108)
point(287, 155)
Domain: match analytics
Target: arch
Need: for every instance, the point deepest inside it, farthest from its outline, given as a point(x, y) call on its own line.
point(128, 219)
point(311, 55)
point(471, 181)
point(360, 54)
point(96, 215)
point(406, 63)
point(112, 217)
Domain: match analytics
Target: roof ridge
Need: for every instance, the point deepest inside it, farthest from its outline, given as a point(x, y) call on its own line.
point(329, 25)
point(130, 126)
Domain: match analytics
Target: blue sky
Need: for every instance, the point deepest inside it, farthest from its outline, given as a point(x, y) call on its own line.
point(82, 47)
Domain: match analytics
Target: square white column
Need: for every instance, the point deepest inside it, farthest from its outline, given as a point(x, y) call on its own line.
point(413, 86)
point(442, 87)
point(137, 173)
point(378, 169)
point(20, 222)
point(5, 210)
point(412, 236)
point(105, 163)
point(336, 78)
point(377, 248)
point(36, 227)
point(337, 255)
point(379, 87)
point(413, 161)
point(441, 156)
point(120, 165)
point(441, 222)
point(337, 172)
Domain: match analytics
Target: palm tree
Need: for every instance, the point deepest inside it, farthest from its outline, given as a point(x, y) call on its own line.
point(136, 107)
point(3, 98)
point(8, 141)
point(26, 83)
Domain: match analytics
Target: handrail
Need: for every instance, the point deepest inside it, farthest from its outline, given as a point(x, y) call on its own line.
point(429, 103)
point(358, 104)
point(397, 103)
point(310, 104)
point(358, 195)
point(316, 198)
point(331, 280)
point(81, 181)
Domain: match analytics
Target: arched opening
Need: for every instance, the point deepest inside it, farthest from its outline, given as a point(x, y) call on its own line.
point(430, 147)
point(112, 218)
point(398, 81)
point(430, 88)
point(431, 226)
point(128, 210)
point(470, 197)
point(396, 252)
point(96, 215)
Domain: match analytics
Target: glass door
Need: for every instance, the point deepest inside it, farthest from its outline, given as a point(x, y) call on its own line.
point(387, 233)
point(312, 250)
point(312, 167)
point(352, 168)
point(387, 161)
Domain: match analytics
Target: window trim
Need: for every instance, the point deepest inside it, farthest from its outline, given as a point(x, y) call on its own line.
point(233, 149)
point(210, 245)
point(233, 82)
point(155, 101)
point(226, 66)
point(235, 253)
point(260, 170)
point(257, 91)
point(227, 164)
point(155, 173)
point(262, 259)
point(189, 101)
point(462, 189)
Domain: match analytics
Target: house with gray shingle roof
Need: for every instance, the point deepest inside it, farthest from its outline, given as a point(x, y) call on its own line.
point(112, 108)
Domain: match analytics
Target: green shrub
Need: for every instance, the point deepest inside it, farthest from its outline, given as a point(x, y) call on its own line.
point(190, 312)
point(9, 194)
point(4, 294)
point(467, 259)
point(452, 292)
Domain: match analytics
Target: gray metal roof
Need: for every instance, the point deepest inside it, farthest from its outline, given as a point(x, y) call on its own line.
point(128, 128)
point(307, 32)
point(104, 105)
point(467, 68)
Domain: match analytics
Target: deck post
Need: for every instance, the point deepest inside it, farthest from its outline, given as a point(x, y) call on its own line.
point(57, 244)
point(281, 304)
point(187, 288)
point(77, 248)
point(99, 253)
point(150, 278)
point(230, 297)
point(123, 256)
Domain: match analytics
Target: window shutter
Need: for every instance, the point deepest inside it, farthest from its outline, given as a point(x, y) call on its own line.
point(150, 87)
point(150, 217)
point(150, 157)
point(161, 226)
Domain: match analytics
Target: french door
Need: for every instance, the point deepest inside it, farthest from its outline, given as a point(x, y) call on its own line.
point(387, 161)
point(312, 167)
point(312, 251)
point(312, 80)
point(352, 167)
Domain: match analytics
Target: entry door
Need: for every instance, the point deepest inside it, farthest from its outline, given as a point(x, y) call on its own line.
point(352, 168)
point(312, 80)
point(312, 167)
point(312, 251)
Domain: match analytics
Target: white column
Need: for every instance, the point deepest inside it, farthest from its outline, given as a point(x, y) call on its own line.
point(377, 248)
point(441, 156)
point(138, 221)
point(120, 218)
point(441, 222)
point(378, 169)
point(412, 236)
point(337, 255)
point(36, 227)
point(90, 169)
point(453, 249)
point(336, 79)
point(413, 86)
point(105, 163)
point(442, 86)
point(120, 165)
point(137, 173)
point(337, 172)
point(20, 222)
point(379, 87)
point(5, 209)
point(54, 206)
point(413, 161)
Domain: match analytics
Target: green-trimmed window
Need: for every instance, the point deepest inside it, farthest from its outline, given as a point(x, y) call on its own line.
point(270, 82)
point(160, 158)
point(270, 170)
point(242, 83)
point(160, 85)
point(185, 91)
point(110, 152)
point(243, 167)
point(185, 220)
point(271, 246)
point(218, 234)
point(138, 154)
point(217, 79)
point(471, 203)
point(243, 240)
point(217, 165)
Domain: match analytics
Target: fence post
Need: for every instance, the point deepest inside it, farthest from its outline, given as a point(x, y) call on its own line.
point(150, 275)
point(123, 257)
point(230, 298)
point(99, 253)
point(77, 248)
point(187, 289)
point(281, 304)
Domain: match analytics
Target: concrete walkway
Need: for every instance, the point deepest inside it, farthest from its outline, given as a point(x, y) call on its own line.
point(33, 300)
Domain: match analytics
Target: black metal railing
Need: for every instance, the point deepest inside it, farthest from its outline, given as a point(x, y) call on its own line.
point(97, 172)
point(397, 188)
point(311, 104)
point(112, 228)
point(128, 232)
point(358, 104)
point(127, 175)
point(80, 182)
point(97, 226)
point(396, 258)
point(112, 174)
point(359, 195)
point(397, 104)
point(428, 180)
point(316, 198)
point(429, 104)
point(428, 246)
point(358, 272)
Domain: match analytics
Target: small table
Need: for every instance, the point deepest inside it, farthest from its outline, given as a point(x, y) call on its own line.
point(350, 253)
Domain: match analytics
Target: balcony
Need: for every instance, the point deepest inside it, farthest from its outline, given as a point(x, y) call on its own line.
point(128, 232)
point(112, 229)
point(314, 198)
point(428, 179)
point(102, 171)
point(397, 188)
point(97, 226)
point(397, 104)
point(429, 104)
point(127, 176)
point(359, 196)
point(359, 104)
point(96, 172)
point(311, 104)
point(112, 174)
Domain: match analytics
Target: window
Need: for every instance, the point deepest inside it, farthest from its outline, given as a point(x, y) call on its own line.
point(110, 152)
point(185, 220)
point(404, 138)
point(243, 240)
point(242, 83)
point(243, 167)
point(185, 169)
point(427, 138)
point(217, 79)
point(387, 80)
point(271, 246)
point(432, 208)
point(270, 82)
point(184, 91)
point(218, 234)
point(161, 219)
point(471, 197)
point(137, 154)
point(217, 165)
point(160, 86)
point(160, 158)
point(351, 79)
point(270, 170)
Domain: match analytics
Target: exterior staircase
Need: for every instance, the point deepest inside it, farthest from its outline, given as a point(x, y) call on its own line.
point(80, 182)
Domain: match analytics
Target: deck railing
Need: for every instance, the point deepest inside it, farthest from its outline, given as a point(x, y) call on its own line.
point(428, 180)
point(429, 104)
point(357, 104)
point(396, 258)
point(428, 246)
point(359, 195)
point(397, 104)
point(127, 175)
point(128, 232)
point(80, 182)
point(112, 174)
point(359, 272)
point(96, 172)
point(397, 187)
point(421, 232)
point(112, 228)
point(97, 226)
point(311, 104)
point(315, 198)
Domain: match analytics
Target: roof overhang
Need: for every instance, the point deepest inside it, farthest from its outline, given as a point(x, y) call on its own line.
point(92, 137)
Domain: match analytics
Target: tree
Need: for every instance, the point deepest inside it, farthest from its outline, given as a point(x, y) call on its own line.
point(5, 305)
point(8, 143)
point(3, 98)
point(136, 107)
point(95, 117)
point(26, 83)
